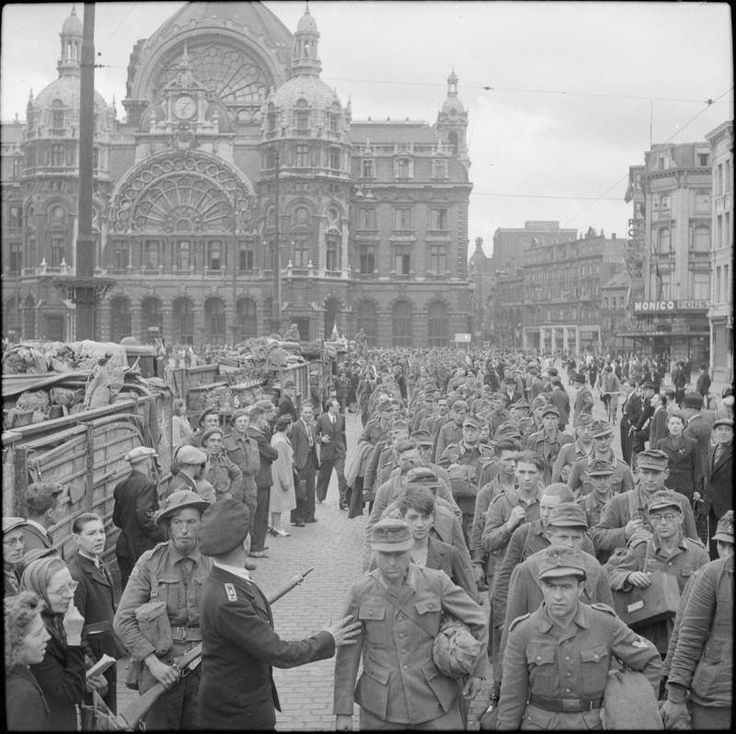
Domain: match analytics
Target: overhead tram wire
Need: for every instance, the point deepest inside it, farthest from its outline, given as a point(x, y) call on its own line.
point(708, 104)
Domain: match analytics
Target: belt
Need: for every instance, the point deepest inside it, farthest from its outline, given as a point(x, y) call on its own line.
point(565, 705)
point(186, 634)
point(97, 628)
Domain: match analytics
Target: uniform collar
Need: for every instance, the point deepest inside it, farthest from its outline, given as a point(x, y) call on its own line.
point(234, 570)
point(410, 580)
point(681, 544)
point(34, 524)
point(546, 623)
point(176, 556)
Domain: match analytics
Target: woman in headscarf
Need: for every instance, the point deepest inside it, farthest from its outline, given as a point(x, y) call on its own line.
point(283, 495)
point(26, 638)
point(61, 671)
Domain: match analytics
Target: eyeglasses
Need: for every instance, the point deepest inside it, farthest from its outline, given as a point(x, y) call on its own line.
point(70, 587)
point(668, 516)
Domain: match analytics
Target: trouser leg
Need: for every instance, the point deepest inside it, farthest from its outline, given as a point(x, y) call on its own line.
point(325, 472)
point(260, 525)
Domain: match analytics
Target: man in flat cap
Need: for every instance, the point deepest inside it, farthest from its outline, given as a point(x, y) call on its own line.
point(668, 551)
point(13, 546)
point(718, 488)
point(700, 659)
point(627, 514)
point(545, 686)
point(240, 647)
point(135, 504)
point(172, 572)
point(191, 461)
point(42, 502)
point(548, 441)
point(622, 480)
point(400, 606)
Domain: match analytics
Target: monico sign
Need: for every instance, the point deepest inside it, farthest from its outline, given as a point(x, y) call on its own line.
point(669, 306)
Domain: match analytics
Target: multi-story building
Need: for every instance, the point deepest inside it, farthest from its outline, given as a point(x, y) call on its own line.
point(562, 292)
point(509, 243)
point(671, 233)
point(720, 313)
point(508, 307)
point(231, 146)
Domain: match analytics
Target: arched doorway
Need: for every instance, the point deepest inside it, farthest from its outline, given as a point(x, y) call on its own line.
point(214, 320)
point(151, 318)
point(437, 335)
point(402, 323)
point(183, 321)
point(247, 322)
point(119, 318)
point(367, 319)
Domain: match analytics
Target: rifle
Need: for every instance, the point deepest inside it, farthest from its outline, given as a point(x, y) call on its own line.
point(129, 719)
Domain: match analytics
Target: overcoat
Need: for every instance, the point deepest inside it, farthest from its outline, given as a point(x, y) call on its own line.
point(719, 481)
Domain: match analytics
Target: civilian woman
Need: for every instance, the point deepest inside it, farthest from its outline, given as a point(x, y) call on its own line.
point(283, 496)
point(180, 428)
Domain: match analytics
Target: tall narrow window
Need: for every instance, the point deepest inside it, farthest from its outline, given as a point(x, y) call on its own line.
point(332, 253)
point(122, 255)
point(246, 259)
point(214, 255)
point(335, 159)
point(302, 156)
point(402, 263)
point(150, 255)
point(301, 252)
point(367, 262)
point(368, 170)
point(57, 155)
point(183, 254)
point(56, 252)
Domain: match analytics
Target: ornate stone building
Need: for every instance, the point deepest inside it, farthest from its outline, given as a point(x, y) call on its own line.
point(232, 143)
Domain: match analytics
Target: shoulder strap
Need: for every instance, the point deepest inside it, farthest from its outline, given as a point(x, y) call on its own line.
point(632, 504)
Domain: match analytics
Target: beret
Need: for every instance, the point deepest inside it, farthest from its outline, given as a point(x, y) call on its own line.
point(139, 453)
point(224, 527)
point(238, 413)
point(210, 432)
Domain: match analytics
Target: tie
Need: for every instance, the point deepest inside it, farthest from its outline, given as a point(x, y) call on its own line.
point(309, 434)
point(718, 452)
point(332, 419)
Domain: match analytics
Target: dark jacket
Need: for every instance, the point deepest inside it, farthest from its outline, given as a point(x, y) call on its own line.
point(683, 462)
point(336, 446)
point(267, 456)
point(61, 675)
point(286, 407)
point(300, 443)
point(33, 538)
point(719, 481)
point(239, 650)
point(136, 501)
point(446, 557)
point(25, 705)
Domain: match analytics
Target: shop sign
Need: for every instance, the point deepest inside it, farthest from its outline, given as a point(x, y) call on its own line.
point(669, 306)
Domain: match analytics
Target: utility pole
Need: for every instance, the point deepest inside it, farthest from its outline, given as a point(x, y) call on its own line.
point(276, 315)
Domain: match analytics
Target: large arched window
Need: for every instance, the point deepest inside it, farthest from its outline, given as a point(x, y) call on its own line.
point(214, 319)
point(247, 323)
point(151, 316)
point(183, 321)
point(367, 319)
point(119, 318)
point(437, 324)
point(401, 324)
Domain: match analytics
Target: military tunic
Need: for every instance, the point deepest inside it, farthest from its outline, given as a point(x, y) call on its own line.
point(548, 447)
point(546, 667)
point(400, 683)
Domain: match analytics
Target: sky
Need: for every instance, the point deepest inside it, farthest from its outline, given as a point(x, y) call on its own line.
point(577, 90)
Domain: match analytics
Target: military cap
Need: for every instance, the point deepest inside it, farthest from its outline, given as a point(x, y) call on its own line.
point(211, 432)
point(602, 428)
point(568, 515)
point(422, 438)
point(239, 413)
point(578, 377)
point(41, 491)
point(178, 501)
point(649, 385)
point(190, 455)
point(423, 475)
point(692, 400)
point(520, 403)
point(532, 367)
point(282, 422)
point(458, 404)
point(139, 453)
point(723, 422)
point(471, 421)
point(539, 401)
point(508, 381)
point(509, 430)
point(11, 523)
point(583, 419)
point(551, 410)
point(664, 498)
point(724, 531)
point(391, 535)
point(224, 527)
point(559, 560)
point(600, 468)
point(265, 405)
point(653, 459)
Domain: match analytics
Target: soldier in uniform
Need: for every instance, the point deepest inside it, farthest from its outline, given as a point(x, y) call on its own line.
point(557, 660)
point(548, 442)
point(400, 606)
point(668, 551)
point(579, 449)
point(451, 432)
point(702, 660)
point(601, 492)
point(622, 480)
point(172, 572)
point(136, 502)
point(469, 464)
point(627, 513)
point(239, 644)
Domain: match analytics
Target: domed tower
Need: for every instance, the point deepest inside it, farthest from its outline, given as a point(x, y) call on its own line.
point(307, 128)
point(452, 122)
point(51, 150)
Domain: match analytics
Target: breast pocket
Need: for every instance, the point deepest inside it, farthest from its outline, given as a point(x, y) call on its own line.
point(595, 662)
point(540, 660)
point(372, 612)
point(171, 592)
point(430, 611)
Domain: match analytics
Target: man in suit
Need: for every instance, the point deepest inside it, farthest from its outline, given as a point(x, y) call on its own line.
point(331, 437)
point(136, 502)
point(42, 500)
point(699, 427)
point(719, 479)
point(306, 464)
point(239, 644)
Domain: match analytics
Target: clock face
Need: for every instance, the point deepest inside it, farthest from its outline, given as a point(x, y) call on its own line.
point(185, 107)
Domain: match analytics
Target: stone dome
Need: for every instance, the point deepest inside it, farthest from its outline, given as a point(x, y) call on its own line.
point(318, 94)
point(307, 24)
point(72, 25)
point(452, 102)
point(65, 89)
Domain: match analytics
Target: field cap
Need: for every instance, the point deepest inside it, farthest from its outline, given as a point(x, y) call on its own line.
point(600, 468)
point(652, 459)
point(724, 531)
point(602, 428)
point(558, 561)
point(224, 527)
point(391, 535)
point(11, 523)
point(664, 498)
point(568, 515)
point(472, 421)
point(179, 500)
point(423, 476)
point(551, 410)
point(139, 453)
point(422, 438)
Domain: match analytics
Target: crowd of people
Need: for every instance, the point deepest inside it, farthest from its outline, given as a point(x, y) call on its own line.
point(516, 507)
